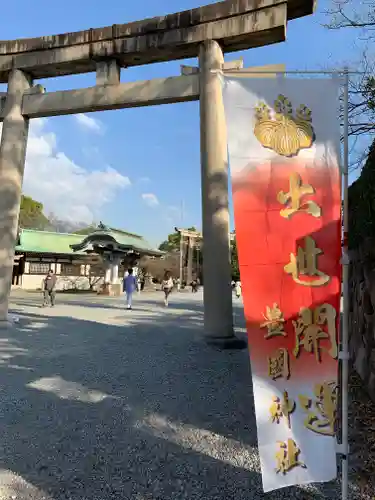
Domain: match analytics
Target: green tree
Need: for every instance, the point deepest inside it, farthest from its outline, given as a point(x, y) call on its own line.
point(234, 260)
point(31, 214)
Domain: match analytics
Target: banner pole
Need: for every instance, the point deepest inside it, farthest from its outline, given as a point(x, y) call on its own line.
point(181, 257)
point(345, 313)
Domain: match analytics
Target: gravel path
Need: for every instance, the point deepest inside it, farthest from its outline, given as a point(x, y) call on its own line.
point(102, 403)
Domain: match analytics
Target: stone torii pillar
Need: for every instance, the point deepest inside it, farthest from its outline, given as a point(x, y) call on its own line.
point(217, 275)
point(12, 163)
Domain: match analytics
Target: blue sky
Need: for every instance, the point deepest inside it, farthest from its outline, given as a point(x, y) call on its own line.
point(134, 168)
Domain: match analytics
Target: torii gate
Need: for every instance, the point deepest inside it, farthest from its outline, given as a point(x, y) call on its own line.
point(192, 237)
point(206, 32)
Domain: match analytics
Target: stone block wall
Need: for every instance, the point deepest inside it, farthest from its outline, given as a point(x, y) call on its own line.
point(362, 273)
point(362, 313)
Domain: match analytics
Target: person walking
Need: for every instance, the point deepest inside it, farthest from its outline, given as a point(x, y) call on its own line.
point(167, 286)
point(49, 289)
point(129, 286)
point(238, 289)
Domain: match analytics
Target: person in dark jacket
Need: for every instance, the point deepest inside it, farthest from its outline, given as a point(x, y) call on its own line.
point(49, 288)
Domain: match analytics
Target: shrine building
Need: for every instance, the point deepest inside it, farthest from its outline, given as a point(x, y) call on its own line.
point(96, 260)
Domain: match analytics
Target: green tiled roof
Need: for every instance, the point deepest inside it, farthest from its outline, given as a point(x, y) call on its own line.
point(35, 241)
point(122, 238)
point(32, 240)
point(129, 239)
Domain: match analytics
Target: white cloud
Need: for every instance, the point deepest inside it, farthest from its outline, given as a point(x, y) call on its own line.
point(150, 199)
point(89, 123)
point(68, 190)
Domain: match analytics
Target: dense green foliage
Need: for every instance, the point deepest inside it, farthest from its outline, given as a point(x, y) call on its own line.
point(369, 92)
point(234, 261)
point(32, 217)
point(362, 203)
point(31, 214)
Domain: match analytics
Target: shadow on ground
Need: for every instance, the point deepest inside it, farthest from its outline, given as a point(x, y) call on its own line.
point(142, 410)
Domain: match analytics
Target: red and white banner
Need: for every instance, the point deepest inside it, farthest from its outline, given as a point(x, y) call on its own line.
point(283, 140)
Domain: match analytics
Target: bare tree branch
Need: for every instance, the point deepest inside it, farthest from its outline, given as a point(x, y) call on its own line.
point(359, 15)
point(352, 14)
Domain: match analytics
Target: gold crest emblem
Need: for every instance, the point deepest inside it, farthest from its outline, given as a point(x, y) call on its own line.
point(284, 133)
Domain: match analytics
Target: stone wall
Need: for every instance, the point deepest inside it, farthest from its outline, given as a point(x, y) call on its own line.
point(362, 273)
point(34, 282)
point(362, 313)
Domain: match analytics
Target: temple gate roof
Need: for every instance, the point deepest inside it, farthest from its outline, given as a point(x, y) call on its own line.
point(116, 240)
point(34, 241)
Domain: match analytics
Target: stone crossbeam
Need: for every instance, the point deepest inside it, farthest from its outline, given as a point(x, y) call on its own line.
point(190, 234)
point(36, 104)
point(107, 97)
point(235, 24)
